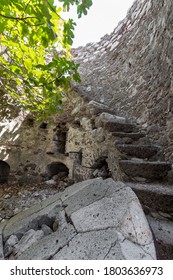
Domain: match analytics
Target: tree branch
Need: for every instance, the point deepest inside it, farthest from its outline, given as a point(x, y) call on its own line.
point(35, 24)
point(16, 18)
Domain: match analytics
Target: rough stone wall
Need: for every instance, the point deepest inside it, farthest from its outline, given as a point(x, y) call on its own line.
point(78, 141)
point(29, 148)
point(131, 70)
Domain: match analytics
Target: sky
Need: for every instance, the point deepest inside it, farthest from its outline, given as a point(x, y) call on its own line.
point(102, 18)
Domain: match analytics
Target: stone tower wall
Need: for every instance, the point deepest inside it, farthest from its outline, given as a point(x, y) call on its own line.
point(131, 70)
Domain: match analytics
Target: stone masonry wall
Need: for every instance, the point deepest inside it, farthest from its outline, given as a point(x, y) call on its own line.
point(131, 70)
point(29, 147)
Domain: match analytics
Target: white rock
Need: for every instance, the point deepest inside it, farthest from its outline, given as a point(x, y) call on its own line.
point(47, 230)
point(50, 182)
point(12, 240)
point(28, 239)
point(8, 248)
point(7, 196)
point(16, 210)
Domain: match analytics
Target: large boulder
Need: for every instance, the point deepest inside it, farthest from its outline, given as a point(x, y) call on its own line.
point(93, 219)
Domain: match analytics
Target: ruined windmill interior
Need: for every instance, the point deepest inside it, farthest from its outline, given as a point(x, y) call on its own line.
point(98, 177)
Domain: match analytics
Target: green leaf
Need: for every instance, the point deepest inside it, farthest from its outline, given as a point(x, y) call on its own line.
point(35, 72)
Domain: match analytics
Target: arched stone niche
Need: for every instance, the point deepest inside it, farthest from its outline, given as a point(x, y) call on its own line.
point(57, 168)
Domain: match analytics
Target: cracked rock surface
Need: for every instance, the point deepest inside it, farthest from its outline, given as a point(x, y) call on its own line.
point(93, 219)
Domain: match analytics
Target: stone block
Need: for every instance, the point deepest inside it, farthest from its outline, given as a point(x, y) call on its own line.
point(77, 187)
point(158, 197)
point(91, 193)
point(49, 245)
point(114, 123)
point(138, 151)
point(95, 108)
point(82, 173)
point(149, 170)
point(162, 228)
point(104, 213)
point(133, 251)
point(134, 225)
point(134, 136)
point(94, 245)
point(28, 239)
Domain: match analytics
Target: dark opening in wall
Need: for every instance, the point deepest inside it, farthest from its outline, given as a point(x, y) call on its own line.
point(60, 138)
point(101, 168)
point(57, 168)
point(4, 171)
point(43, 125)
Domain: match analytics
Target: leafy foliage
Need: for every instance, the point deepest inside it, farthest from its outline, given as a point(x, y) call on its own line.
point(35, 63)
point(82, 6)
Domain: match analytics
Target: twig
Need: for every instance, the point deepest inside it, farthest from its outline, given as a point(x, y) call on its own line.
point(16, 18)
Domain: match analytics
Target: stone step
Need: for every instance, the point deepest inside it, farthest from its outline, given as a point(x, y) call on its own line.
point(123, 127)
point(157, 203)
point(163, 233)
point(132, 135)
point(94, 108)
point(154, 170)
point(154, 197)
point(162, 228)
point(114, 123)
point(138, 151)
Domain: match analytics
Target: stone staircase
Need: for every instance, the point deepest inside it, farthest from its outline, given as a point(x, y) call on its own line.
point(145, 171)
point(139, 160)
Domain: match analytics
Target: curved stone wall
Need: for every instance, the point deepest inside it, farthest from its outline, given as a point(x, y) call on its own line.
point(131, 69)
